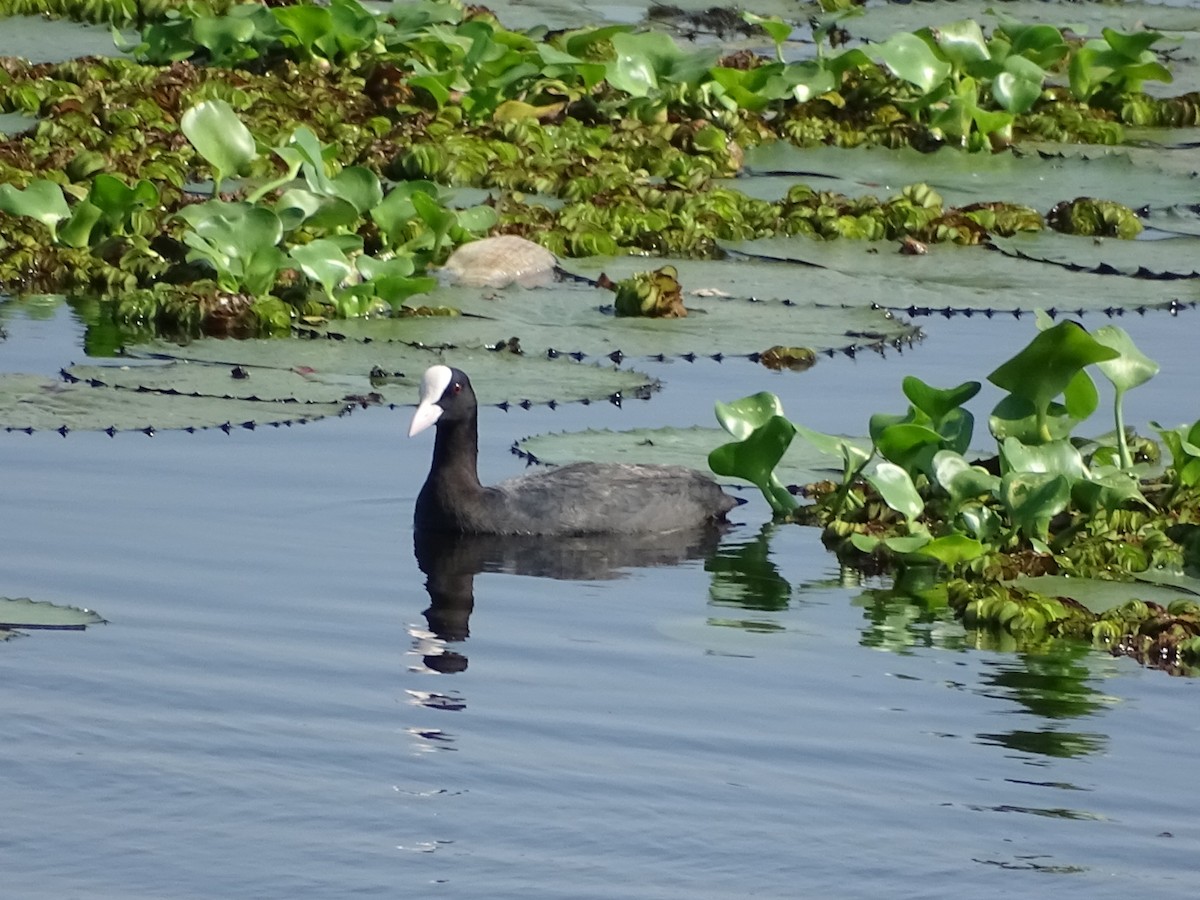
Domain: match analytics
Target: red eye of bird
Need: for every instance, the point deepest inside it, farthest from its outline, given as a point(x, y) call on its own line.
point(457, 388)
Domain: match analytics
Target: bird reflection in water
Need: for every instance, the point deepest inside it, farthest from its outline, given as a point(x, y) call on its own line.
point(451, 561)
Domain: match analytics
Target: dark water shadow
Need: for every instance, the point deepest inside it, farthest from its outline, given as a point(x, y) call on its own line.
point(451, 562)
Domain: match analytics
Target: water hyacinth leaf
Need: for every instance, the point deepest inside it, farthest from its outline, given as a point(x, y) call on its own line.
point(218, 135)
point(324, 262)
point(755, 458)
point(31, 402)
point(952, 549)
point(1129, 370)
point(308, 24)
point(896, 487)
point(907, 444)
point(643, 61)
point(238, 240)
point(741, 417)
point(1184, 444)
point(1131, 367)
point(77, 231)
point(1016, 417)
point(439, 219)
point(1108, 490)
point(1055, 457)
point(1044, 368)
point(41, 200)
point(118, 201)
point(23, 612)
point(396, 210)
point(303, 147)
point(225, 36)
point(358, 186)
point(1019, 86)
point(937, 403)
point(981, 522)
point(373, 269)
point(962, 43)
point(961, 480)
point(853, 453)
point(910, 58)
point(1032, 499)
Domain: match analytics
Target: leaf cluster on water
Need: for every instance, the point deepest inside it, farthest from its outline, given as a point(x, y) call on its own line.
point(621, 132)
point(1047, 503)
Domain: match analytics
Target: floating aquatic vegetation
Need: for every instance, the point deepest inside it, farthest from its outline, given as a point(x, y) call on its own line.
point(1046, 505)
point(24, 613)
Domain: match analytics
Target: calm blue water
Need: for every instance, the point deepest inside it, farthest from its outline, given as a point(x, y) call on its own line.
point(270, 715)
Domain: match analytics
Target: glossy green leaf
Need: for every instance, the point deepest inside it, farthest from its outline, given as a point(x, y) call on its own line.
point(962, 42)
point(961, 480)
point(1019, 86)
point(896, 488)
point(1045, 367)
point(910, 58)
point(755, 458)
point(218, 135)
point(741, 417)
point(1032, 499)
point(1055, 458)
point(42, 200)
point(937, 402)
point(953, 549)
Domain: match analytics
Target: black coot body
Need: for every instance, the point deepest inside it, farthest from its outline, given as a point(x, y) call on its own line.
point(583, 498)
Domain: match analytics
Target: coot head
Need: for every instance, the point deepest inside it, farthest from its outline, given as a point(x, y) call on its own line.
point(446, 396)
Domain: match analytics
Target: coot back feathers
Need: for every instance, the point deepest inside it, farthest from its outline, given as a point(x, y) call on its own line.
point(582, 498)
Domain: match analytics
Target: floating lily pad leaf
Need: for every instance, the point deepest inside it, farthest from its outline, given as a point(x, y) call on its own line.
point(393, 369)
point(801, 464)
point(1098, 595)
point(1166, 258)
point(963, 178)
point(1186, 585)
point(223, 381)
point(30, 402)
point(1084, 18)
point(1183, 220)
point(973, 278)
point(42, 40)
point(788, 309)
point(25, 613)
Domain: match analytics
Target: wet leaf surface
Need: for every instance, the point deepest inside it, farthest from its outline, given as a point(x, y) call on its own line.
point(25, 613)
point(802, 464)
point(978, 279)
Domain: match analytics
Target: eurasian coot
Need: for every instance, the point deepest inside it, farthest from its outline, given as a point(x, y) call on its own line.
point(582, 498)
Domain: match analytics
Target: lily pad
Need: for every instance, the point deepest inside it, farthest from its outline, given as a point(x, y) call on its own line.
point(723, 318)
point(33, 403)
point(198, 379)
point(1084, 18)
point(1165, 258)
point(963, 178)
point(1098, 595)
point(974, 278)
point(393, 370)
point(25, 613)
point(1174, 220)
point(802, 464)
